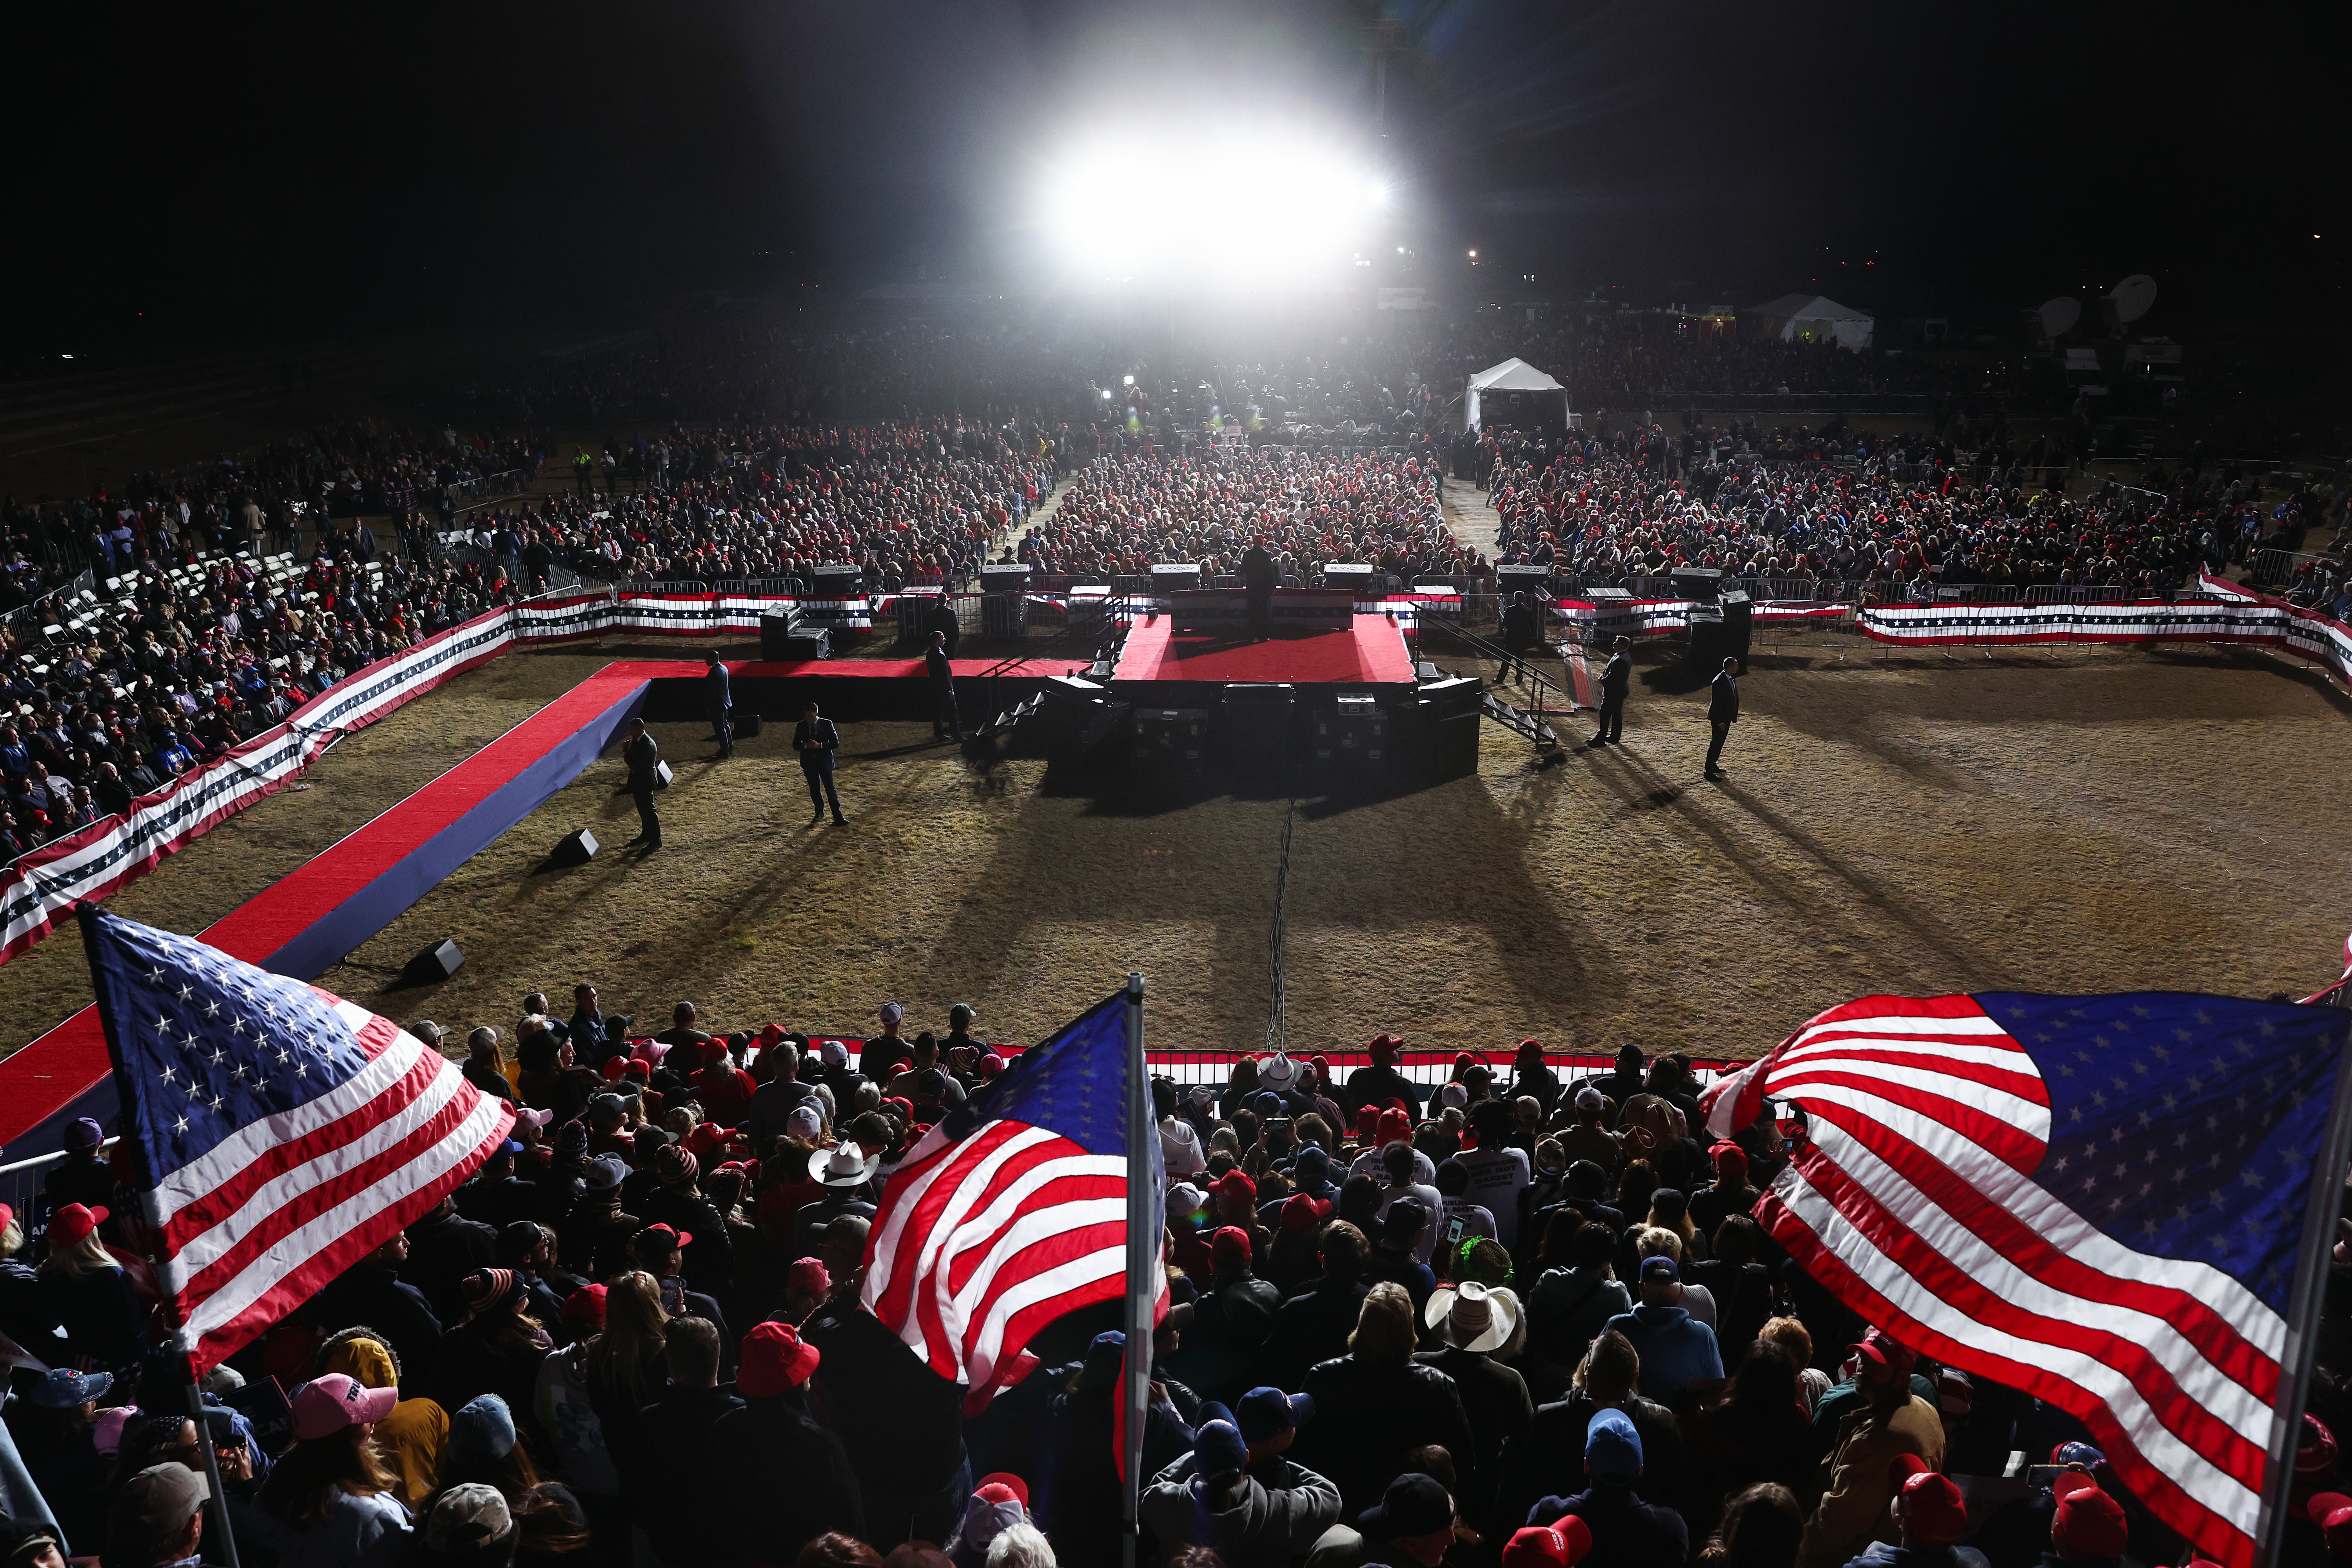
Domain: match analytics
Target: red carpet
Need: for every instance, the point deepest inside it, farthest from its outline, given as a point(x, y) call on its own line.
point(1372, 652)
point(57, 1068)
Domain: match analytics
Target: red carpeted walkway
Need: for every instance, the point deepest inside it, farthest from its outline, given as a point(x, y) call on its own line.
point(351, 890)
point(1371, 652)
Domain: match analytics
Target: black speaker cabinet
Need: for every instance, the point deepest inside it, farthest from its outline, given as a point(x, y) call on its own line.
point(434, 964)
point(576, 850)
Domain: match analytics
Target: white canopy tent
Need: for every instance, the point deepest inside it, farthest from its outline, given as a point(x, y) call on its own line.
point(1814, 317)
point(1530, 394)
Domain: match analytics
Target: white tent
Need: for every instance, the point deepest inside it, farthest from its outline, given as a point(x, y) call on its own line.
point(1812, 316)
point(1528, 391)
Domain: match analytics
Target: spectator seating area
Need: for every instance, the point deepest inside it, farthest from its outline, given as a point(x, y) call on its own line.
point(1512, 1316)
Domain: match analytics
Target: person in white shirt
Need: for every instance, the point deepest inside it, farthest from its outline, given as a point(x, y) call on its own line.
point(1398, 1181)
point(1497, 1168)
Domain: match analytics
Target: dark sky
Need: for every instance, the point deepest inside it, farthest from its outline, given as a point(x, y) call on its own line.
point(217, 173)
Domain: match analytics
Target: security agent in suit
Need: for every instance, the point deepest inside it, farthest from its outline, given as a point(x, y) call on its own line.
point(1722, 712)
point(642, 753)
point(940, 620)
point(719, 704)
point(1616, 677)
point(940, 670)
point(816, 739)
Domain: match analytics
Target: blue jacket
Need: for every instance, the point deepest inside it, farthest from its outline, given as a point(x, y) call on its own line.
point(1673, 1348)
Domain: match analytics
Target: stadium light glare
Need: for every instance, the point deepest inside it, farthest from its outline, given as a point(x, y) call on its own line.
point(1225, 213)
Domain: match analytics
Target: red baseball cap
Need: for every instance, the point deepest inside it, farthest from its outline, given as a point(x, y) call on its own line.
point(1392, 1126)
point(1012, 1483)
point(2090, 1524)
point(1933, 1510)
point(71, 1226)
point(1556, 1545)
point(1230, 1244)
point(774, 1359)
point(1235, 1184)
point(586, 1305)
point(1301, 1213)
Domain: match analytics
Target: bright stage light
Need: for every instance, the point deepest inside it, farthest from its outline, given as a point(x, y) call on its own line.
point(1270, 209)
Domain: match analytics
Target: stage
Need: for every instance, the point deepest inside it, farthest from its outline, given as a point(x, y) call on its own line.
point(1371, 652)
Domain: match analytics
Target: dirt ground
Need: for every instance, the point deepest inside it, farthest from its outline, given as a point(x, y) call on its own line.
point(2060, 821)
point(357, 779)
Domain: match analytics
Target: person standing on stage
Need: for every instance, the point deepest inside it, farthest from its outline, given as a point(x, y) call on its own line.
point(643, 753)
point(816, 739)
point(1722, 712)
point(1258, 578)
point(939, 668)
point(1616, 675)
point(718, 700)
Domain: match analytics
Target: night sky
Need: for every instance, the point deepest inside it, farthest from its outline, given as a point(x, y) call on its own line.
point(196, 173)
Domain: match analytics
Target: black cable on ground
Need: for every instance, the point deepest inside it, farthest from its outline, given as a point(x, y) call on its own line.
point(1273, 944)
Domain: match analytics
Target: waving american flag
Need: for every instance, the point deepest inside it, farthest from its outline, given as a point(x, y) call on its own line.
point(2099, 1200)
point(281, 1133)
point(1013, 1211)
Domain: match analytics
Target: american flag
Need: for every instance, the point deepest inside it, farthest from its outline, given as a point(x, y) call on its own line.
point(2098, 1200)
point(1012, 1211)
point(281, 1133)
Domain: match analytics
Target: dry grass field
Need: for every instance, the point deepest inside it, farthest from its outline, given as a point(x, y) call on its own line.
point(2055, 821)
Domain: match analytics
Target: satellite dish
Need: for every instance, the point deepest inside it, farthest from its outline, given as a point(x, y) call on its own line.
point(2133, 296)
point(2059, 315)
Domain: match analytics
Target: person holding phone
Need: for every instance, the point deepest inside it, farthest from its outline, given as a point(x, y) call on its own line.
point(816, 739)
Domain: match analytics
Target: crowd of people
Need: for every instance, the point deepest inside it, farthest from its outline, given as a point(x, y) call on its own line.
point(907, 503)
point(171, 673)
point(1879, 515)
point(1512, 1318)
point(1123, 513)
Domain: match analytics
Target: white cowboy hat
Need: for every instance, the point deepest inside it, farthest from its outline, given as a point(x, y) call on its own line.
point(842, 1166)
point(1471, 1316)
point(1277, 1072)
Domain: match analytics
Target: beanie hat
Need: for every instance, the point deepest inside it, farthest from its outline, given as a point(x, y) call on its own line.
point(674, 1165)
point(481, 1431)
point(486, 1290)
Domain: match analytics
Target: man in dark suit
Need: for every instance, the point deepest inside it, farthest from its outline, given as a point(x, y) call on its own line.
point(940, 620)
point(1722, 712)
point(719, 704)
point(940, 670)
point(1258, 578)
point(816, 739)
point(1616, 675)
point(642, 753)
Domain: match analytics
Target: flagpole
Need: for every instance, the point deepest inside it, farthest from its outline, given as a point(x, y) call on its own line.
point(2303, 1312)
point(1142, 1252)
